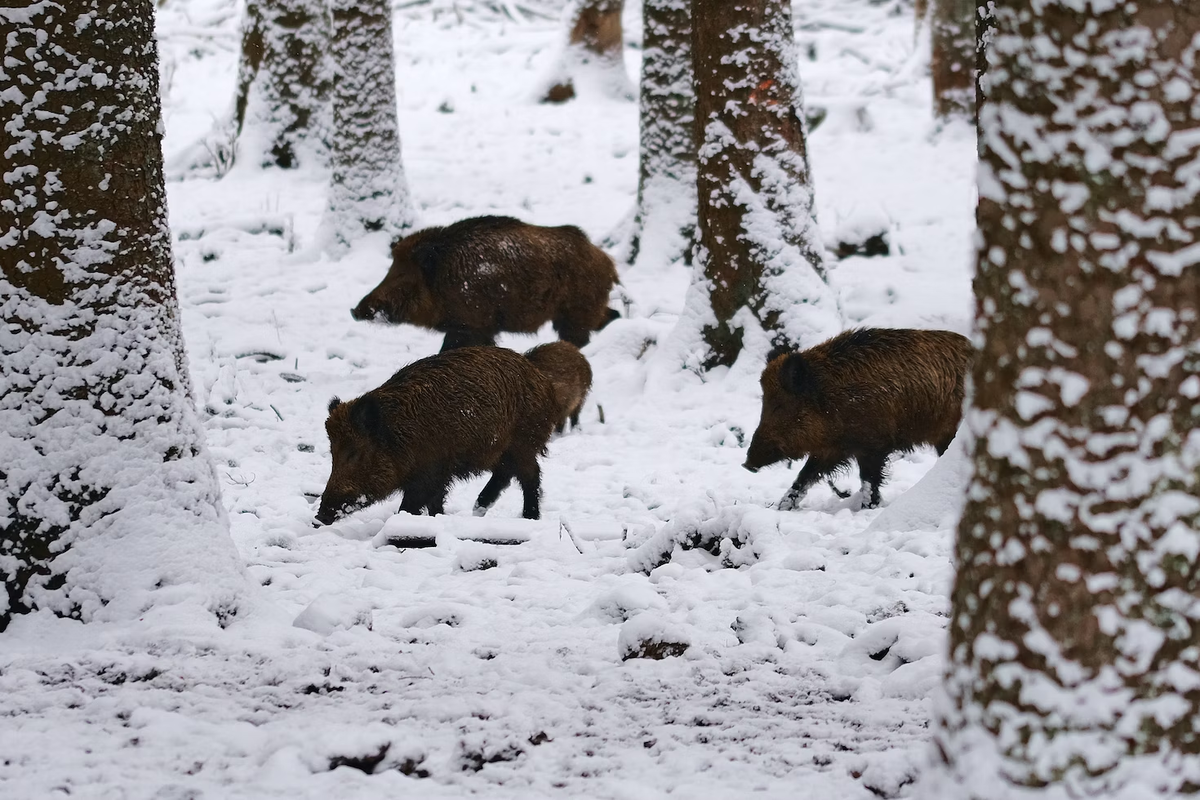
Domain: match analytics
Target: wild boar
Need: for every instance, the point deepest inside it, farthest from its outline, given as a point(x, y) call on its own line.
point(569, 374)
point(483, 275)
point(443, 418)
point(862, 395)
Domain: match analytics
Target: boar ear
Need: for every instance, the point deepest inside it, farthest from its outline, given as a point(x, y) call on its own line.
point(366, 416)
point(796, 375)
point(426, 254)
point(781, 348)
point(334, 403)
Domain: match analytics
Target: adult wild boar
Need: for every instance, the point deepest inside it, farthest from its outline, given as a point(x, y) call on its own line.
point(480, 276)
point(862, 395)
point(439, 419)
point(569, 374)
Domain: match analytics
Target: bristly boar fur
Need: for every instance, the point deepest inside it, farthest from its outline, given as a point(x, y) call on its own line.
point(862, 395)
point(569, 374)
point(440, 419)
point(483, 275)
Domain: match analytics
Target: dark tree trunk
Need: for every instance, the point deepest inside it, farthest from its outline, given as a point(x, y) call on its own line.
point(283, 81)
point(596, 43)
point(368, 190)
point(1075, 630)
point(760, 249)
point(666, 202)
point(953, 59)
point(102, 463)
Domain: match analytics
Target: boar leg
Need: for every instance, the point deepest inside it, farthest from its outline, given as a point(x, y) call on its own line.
point(435, 502)
point(524, 466)
point(467, 337)
point(871, 471)
point(570, 332)
point(840, 493)
point(502, 475)
point(426, 492)
point(575, 418)
point(813, 471)
point(944, 445)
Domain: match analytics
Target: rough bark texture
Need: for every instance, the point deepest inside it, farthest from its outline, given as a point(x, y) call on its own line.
point(953, 58)
point(984, 25)
point(595, 42)
point(98, 437)
point(760, 249)
point(666, 202)
point(1075, 633)
point(368, 190)
point(283, 81)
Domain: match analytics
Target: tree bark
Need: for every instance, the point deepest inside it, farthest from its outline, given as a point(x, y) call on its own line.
point(283, 82)
point(107, 498)
point(984, 25)
point(368, 191)
point(953, 59)
point(1075, 631)
point(666, 201)
point(760, 250)
point(594, 42)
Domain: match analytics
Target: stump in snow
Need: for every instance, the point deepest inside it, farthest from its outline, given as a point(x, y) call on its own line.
point(651, 636)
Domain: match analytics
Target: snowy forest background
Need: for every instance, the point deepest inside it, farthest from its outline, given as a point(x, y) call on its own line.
point(295, 661)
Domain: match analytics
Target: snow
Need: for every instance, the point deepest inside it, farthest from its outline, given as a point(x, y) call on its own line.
point(488, 659)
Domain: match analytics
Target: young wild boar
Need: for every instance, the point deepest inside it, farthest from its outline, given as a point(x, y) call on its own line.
point(864, 394)
point(569, 374)
point(439, 419)
point(484, 275)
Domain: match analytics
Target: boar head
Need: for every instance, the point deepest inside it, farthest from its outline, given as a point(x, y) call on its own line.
point(794, 422)
point(406, 293)
point(363, 451)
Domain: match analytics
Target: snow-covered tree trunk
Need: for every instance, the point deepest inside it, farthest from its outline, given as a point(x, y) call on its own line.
point(368, 191)
point(665, 218)
point(984, 24)
point(109, 503)
point(760, 252)
point(595, 52)
point(953, 60)
point(1075, 632)
point(281, 108)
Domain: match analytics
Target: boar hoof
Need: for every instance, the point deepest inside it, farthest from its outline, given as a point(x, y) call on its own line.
point(788, 503)
point(479, 511)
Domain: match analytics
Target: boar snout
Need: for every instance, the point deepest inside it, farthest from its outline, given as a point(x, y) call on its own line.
point(335, 509)
point(364, 311)
point(760, 454)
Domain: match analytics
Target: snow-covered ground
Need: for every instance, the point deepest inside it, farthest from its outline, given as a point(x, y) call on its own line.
point(813, 638)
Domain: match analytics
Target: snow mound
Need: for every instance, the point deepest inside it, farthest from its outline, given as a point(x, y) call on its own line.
point(936, 501)
point(630, 598)
point(733, 535)
point(650, 635)
point(331, 612)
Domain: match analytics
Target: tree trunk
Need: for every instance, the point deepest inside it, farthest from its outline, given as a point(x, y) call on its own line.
point(1075, 632)
point(666, 202)
point(953, 59)
point(108, 500)
point(984, 25)
point(760, 249)
point(283, 82)
point(595, 44)
point(368, 190)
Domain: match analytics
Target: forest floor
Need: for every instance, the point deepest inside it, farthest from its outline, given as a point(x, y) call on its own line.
point(815, 636)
